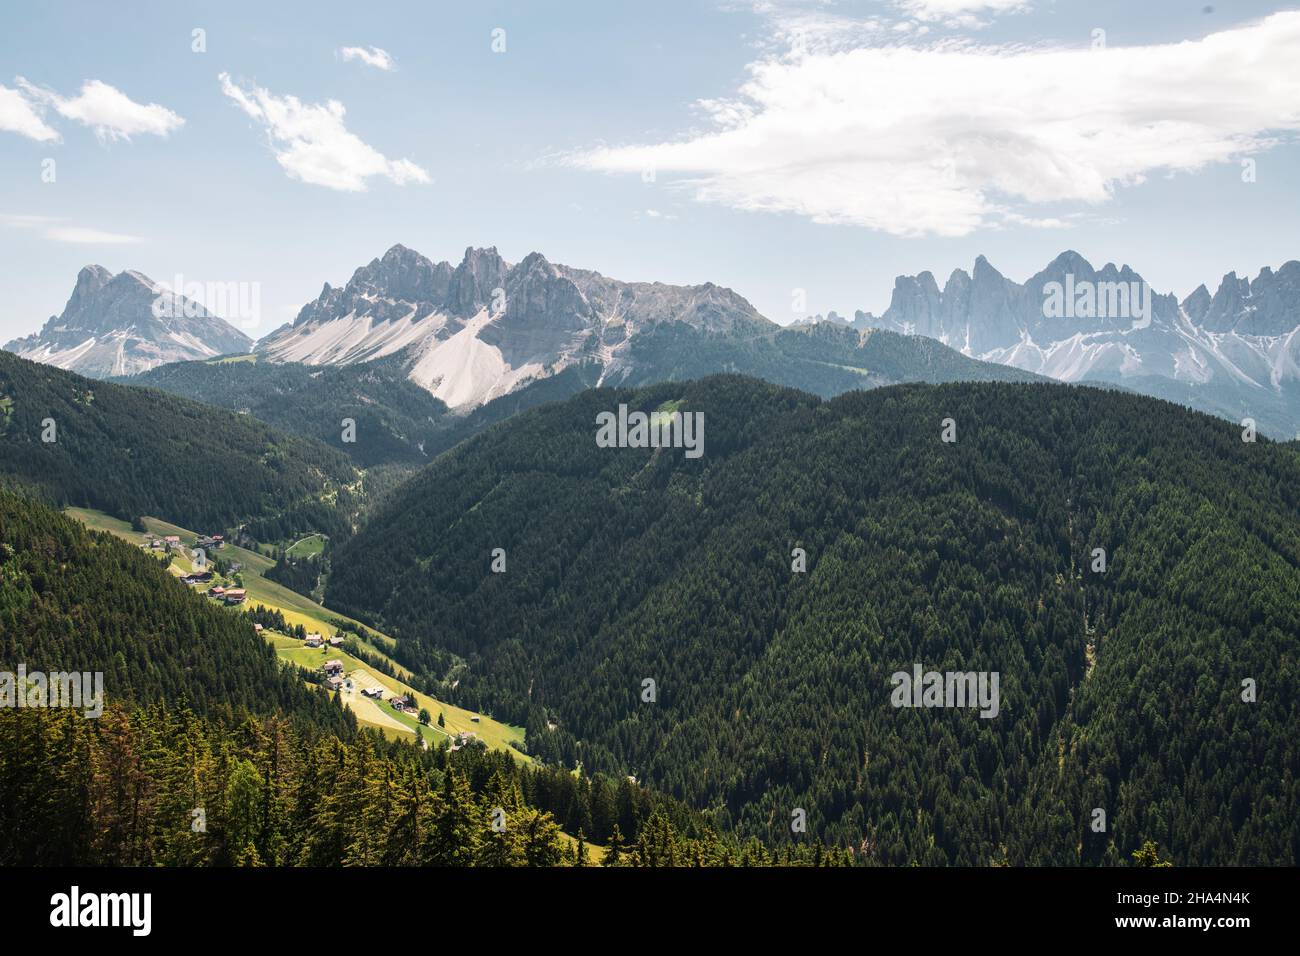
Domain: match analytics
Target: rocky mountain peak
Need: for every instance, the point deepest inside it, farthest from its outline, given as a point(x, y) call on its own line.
point(537, 293)
point(1268, 305)
point(90, 280)
point(1197, 304)
point(472, 282)
point(112, 325)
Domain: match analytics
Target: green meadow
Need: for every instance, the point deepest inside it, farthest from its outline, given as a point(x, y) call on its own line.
point(298, 609)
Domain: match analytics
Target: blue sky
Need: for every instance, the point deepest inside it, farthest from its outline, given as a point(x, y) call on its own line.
point(825, 174)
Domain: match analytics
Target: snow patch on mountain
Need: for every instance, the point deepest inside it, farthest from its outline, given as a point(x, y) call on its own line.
point(484, 328)
point(127, 323)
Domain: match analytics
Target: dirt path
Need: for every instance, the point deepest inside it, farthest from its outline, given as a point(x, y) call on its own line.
point(366, 708)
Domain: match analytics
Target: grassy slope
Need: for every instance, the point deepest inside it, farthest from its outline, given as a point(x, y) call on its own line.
point(307, 547)
point(301, 610)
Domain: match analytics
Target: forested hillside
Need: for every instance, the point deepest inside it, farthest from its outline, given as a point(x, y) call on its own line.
point(199, 714)
point(394, 418)
point(1120, 690)
point(399, 423)
point(77, 600)
point(123, 791)
point(823, 359)
point(134, 452)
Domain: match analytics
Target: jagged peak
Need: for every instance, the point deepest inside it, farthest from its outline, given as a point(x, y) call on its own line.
point(1070, 258)
point(534, 260)
point(139, 277)
point(93, 271)
point(479, 253)
point(958, 280)
point(984, 270)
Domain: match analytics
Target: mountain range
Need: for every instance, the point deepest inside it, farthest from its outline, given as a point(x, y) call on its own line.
point(134, 451)
point(126, 323)
point(486, 328)
point(1235, 353)
point(478, 330)
point(769, 589)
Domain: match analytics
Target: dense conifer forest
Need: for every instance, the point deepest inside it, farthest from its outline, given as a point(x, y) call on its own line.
point(201, 716)
point(132, 452)
point(394, 418)
point(78, 600)
point(124, 790)
point(1122, 690)
point(823, 359)
point(768, 590)
point(398, 423)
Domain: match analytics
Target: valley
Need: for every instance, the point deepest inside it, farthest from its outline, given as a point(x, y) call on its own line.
point(959, 554)
point(299, 611)
point(773, 683)
point(777, 434)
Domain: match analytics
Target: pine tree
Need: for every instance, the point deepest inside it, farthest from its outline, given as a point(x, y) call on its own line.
point(614, 854)
point(455, 837)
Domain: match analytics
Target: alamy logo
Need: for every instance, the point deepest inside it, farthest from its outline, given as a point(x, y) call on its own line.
point(30, 689)
point(103, 909)
point(656, 430)
point(233, 301)
point(1098, 300)
point(948, 689)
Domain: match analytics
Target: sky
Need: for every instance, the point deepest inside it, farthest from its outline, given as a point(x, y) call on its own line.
point(802, 152)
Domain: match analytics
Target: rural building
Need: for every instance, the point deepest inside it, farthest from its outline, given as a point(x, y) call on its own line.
point(332, 667)
point(463, 739)
point(336, 642)
point(333, 683)
point(235, 596)
point(401, 703)
point(313, 640)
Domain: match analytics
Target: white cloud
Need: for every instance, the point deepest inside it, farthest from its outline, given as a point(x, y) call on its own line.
point(811, 25)
point(18, 115)
point(24, 221)
point(311, 143)
point(85, 236)
point(108, 111)
point(371, 56)
point(952, 137)
point(960, 13)
point(55, 229)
